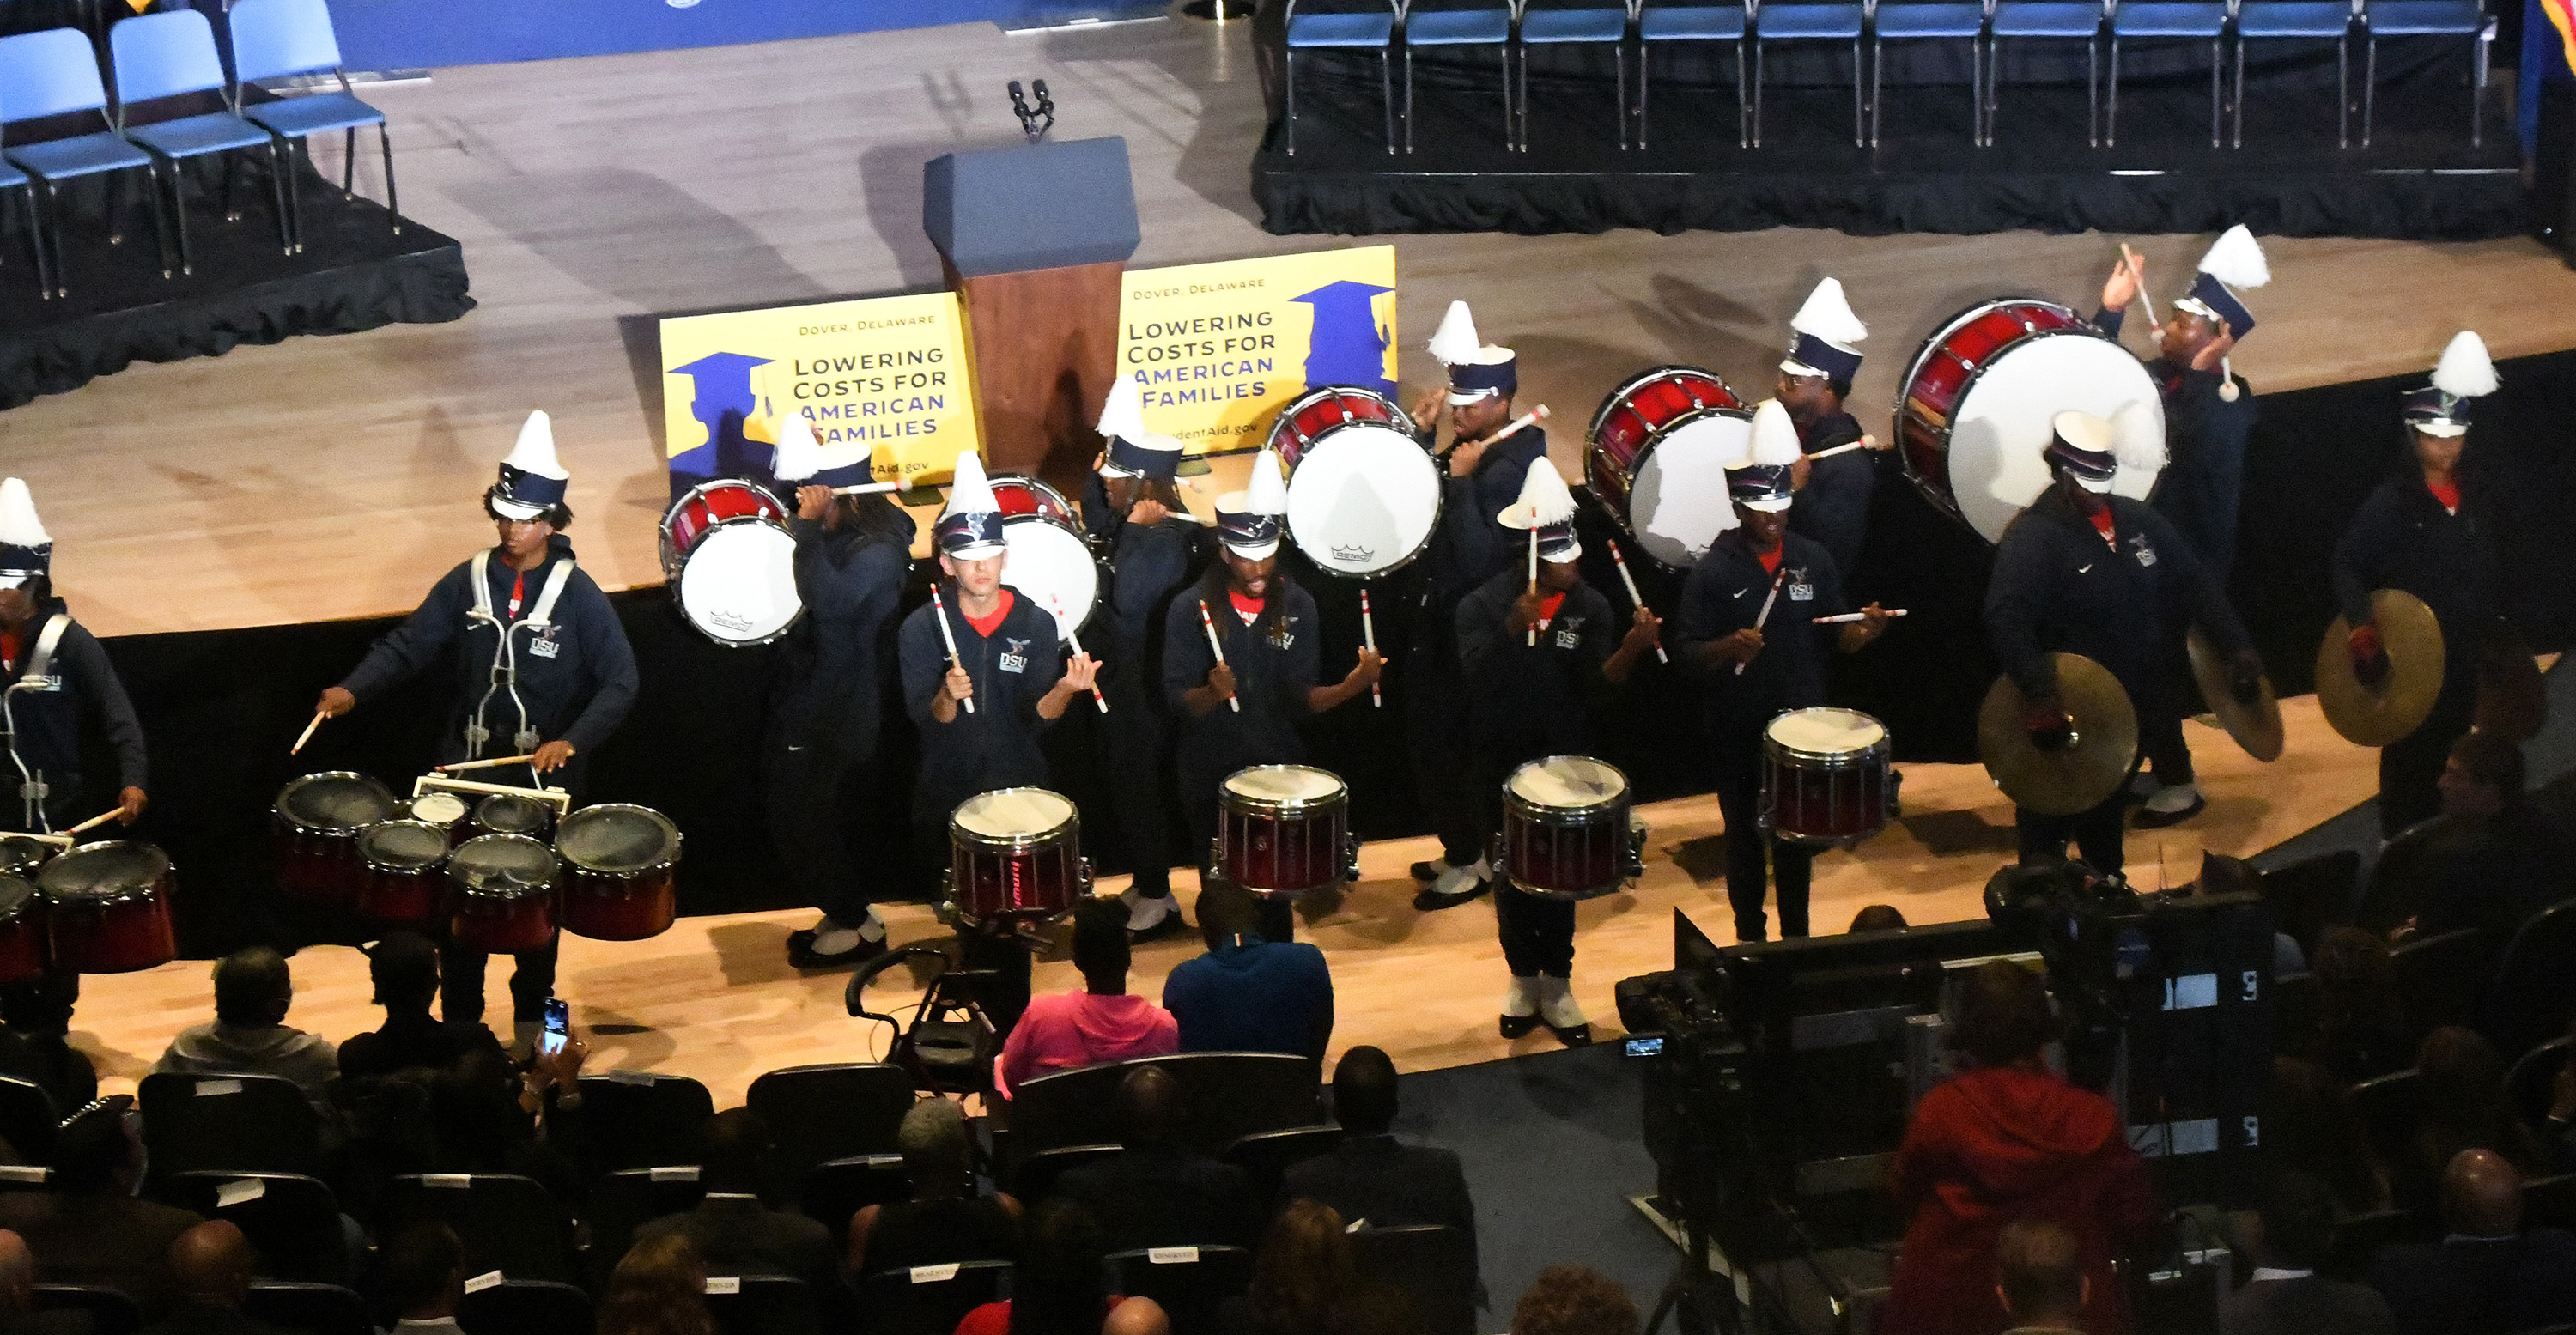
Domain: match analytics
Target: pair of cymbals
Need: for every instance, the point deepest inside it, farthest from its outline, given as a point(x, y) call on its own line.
point(2078, 776)
point(2376, 714)
point(2255, 726)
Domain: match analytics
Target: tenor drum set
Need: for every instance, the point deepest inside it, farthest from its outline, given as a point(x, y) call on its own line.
point(92, 908)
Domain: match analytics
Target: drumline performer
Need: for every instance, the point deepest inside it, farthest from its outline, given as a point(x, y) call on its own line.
point(1272, 650)
point(542, 669)
point(2084, 571)
point(1134, 514)
point(2425, 532)
point(852, 556)
point(1530, 701)
point(1832, 505)
point(1483, 477)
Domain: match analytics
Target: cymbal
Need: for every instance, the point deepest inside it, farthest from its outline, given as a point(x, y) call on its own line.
point(2078, 776)
point(2381, 714)
point(2256, 727)
point(2512, 703)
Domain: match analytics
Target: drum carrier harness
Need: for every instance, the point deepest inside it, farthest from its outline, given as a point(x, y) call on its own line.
point(505, 657)
point(37, 676)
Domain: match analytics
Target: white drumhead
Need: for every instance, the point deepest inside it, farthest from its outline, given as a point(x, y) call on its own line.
point(1998, 437)
point(438, 808)
point(1825, 731)
point(1363, 499)
point(1678, 504)
point(1013, 813)
point(739, 583)
point(1051, 564)
point(1567, 781)
point(1284, 783)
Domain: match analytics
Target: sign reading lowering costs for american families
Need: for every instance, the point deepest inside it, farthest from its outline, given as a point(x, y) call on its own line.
point(1217, 349)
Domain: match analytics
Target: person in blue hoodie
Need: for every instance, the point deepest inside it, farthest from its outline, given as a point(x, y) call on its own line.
point(1248, 994)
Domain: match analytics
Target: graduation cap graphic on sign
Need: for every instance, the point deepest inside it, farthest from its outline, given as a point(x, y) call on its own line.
point(724, 399)
point(1346, 346)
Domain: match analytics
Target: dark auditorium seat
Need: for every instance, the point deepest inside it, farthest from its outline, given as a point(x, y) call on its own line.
point(2310, 895)
point(636, 1119)
point(2298, 1001)
point(628, 1199)
point(507, 1223)
point(525, 1307)
point(927, 1300)
point(837, 1111)
point(228, 1123)
point(1266, 1156)
point(2388, 1107)
point(1229, 1095)
point(2359, 1238)
point(309, 1309)
point(2549, 1202)
point(2398, 880)
point(835, 1189)
point(1034, 1180)
point(2532, 1082)
point(2440, 979)
point(27, 1119)
point(764, 1305)
point(110, 1312)
point(1432, 1266)
point(2534, 992)
point(1189, 1283)
point(292, 1221)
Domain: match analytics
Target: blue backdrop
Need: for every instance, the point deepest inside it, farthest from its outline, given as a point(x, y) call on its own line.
point(413, 34)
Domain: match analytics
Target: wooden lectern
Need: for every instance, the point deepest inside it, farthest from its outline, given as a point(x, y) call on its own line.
point(1035, 239)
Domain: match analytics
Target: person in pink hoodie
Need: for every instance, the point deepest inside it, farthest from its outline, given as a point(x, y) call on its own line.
point(1100, 1021)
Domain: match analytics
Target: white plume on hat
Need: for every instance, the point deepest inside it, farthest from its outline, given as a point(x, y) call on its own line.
point(1267, 492)
point(1775, 436)
point(1544, 499)
point(1122, 415)
point(19, 526)
point(2137, 438)
point(968, 492)
point(535, 450)
point(1828, 316)
point(798, 456)
point(1455, 342)
point(2235, 259)
point(2465, 371)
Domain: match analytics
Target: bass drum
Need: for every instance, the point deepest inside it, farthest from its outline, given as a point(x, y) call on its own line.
point(1050, 561)
point(1363, 493)
point(731, 563)
point(1657, 460)
point(1973, 411)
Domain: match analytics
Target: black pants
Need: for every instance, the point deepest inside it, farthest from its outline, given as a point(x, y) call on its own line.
point(802, 791)
point(43, 1004)
point(2410, 768)
point(1199, 808)
point(1135, 744)
point(1749, 847)
point(2097, 834)
point(1537, 932)
point(2162, 707)
point(1437, 737)
point(460, 971)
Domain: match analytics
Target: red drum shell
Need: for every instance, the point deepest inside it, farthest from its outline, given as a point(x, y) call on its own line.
point(107, 908)
point(1822, 799)
point(405, 879)
point(1561, 852)
point(1016, 494)
point(501, 894)
point(23, 947)
point(1634, 419)
point(1282, 847)
point(618, 883)
point(707, 505)
point(314, 834)
point(619, 908)
point(1942, 372)
point(1036, 875)
point(1318, 410)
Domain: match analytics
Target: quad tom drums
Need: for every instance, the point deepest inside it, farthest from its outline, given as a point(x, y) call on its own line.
point(1657, 460)
point(1567, 833)
point(405, 863)
point(617, 861)
point(1826, 779)
point(1016, 854)
point(511, 813)
point(1973, 412)
point(1363, 493)
point(315, 829)
point(107, 908)
point(731, 563)
point(1285, 830)
point(501, 894)
point(1050, 560)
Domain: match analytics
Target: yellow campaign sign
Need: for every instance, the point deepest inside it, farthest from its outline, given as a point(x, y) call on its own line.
point(890, 371)
point(1217, 349)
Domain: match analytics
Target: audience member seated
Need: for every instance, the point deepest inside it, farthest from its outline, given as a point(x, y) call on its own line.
point(18, 1296)
point(943, 1223)
point(423, 1279)
point(1156, 1192)
point(2359, 1032)
point(2294, 1232)
point(32, 1021)
point(92, 1229)
point(658, 1288)
point(2490, 1276)
point(1056, 1285)
point(1371, 1178)
point(1305, 1280)
point(734, 1233)
point(1100, 1021)
point(249, 1033)
point(210, 1267)
point(486, 1118)
point(1246, 994)
point(2042, 1279)
point(2465, 1107)
point(2494, 861)
point(1878, 918)
point(2309, 1128)
point(2005, 1140)
point(404, 968)
point(1573, 1300)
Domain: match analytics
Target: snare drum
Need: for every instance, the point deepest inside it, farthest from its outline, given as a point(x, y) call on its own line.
point(447, 811)
point(315, 832)
point(1050, 561)
point(1016, 853)
point(731, 563)
point(509, 813)
point(1284, 829)
point(22, 931)
point(1658, 457)
point(1363, 493)
point(1973, 411)
point(503, 899)
point(1566, 832)
point(405, 861)
point(1825, 776)
point(617, 872)
point(107, 908)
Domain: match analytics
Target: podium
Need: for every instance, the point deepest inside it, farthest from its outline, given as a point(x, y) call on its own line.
point(1035, 240)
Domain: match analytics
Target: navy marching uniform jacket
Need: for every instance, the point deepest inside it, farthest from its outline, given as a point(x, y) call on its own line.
point(1274, 661)
point(2060, 587)
point(56, 689)
point(833, 667)
point(1013, 668)
point(1532, 701)
point(2403, 538)
point(1724, 594)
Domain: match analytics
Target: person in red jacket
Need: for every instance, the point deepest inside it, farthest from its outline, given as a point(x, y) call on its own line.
point(2008, 1140)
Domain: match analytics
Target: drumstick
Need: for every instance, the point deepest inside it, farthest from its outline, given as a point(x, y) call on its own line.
point(94, 822)
point(868, 489)
point(485, 764)
point(2137, 267)
point(307, 734)
point(1533, 584)
point(939, 612)
point(1860, 444)
point(1767, 599)
point(1855, 616)
point(1217, 648)
point(1076, 641)
point(1620, 559)
point(1537, 414)
point(1368, 636)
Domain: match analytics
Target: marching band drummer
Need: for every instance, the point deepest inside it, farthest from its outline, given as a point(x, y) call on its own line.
point(1272, 651)
point(2083, 571)
point(1483, 477)
point(852, 556)
point(1747, 628)
point(1833, 501)
point(2422, 533)
point(1134, 514)
point(981, 680)
point(1534, 700)
point(542, 669)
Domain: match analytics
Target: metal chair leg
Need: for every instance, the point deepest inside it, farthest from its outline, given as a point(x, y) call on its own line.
point(54, 238)
point(1757, 94)
point(2236, 138)
point(1618, 57)
point(1645, 70)
point(2478, 87)
point(1743, 105)
point(1386, 95)
point(178, 218)
point(1511, 125)
point(2215, 61)
point(2343, 90)
point(2111, 120)
point(2369, 82)
point(1288, 133)
point(349, 163)
point(1408, 97)
point(1877, 68)
point(1860, 131)
point(2092, 92)
point(277, 201)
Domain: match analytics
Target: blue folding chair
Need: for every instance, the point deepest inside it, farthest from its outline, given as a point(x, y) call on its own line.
point(274, 39)
point(2320, 20)
point(1456, 27)
point(55, 73)
point(1666, 25)
point(1812, 23)
point(12, 178)
point(1343, 32)
point(2428, 18)
point(1539, 25)
point(1928, 20)
point(2058, 19)
point(169, 55)
point(2189, 20)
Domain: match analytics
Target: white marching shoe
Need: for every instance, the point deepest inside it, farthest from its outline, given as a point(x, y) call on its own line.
point(1564, 1016)
point(1520, 1006)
